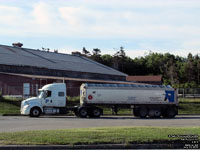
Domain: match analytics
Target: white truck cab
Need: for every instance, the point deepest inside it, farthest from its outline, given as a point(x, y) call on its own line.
point(51, 100)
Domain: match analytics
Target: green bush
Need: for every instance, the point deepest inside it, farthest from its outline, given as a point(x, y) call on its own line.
point(1, 97)
point(72, 101)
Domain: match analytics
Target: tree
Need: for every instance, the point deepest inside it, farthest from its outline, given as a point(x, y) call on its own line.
point(190, 68)
point(85, 51)
point(107, 60)
point(96, 55)
point(121, 53)
point(171, 70)
point(119, 59)
point(96, 51)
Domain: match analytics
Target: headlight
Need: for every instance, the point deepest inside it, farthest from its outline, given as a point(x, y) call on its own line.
point(26, 103)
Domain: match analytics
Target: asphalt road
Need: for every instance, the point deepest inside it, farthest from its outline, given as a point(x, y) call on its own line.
point(25, 123)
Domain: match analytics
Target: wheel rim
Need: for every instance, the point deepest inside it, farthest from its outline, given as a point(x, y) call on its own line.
point(36, 112)
point(96, 112)
point(143, 112)
point(83, 112)
point(157, 113)
point(151, 113)
point(171, 113)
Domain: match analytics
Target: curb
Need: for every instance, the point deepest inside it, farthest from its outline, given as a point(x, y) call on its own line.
point(99, 146)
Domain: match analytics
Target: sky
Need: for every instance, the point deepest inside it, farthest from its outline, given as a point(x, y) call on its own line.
point(140, 26)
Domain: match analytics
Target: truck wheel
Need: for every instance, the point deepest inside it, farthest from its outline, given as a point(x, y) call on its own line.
point(35, 112)
point(83, 113)
point(171, 112)
point(143, 112)
point(96, 112)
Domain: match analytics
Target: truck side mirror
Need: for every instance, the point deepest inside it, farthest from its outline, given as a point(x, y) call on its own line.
point(45, 94)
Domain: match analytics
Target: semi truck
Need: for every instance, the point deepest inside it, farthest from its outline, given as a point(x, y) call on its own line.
point(144, 100)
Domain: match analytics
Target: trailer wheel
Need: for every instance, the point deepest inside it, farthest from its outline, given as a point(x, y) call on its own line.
point(83, 112)
point(136, 112)
point(151, 113)
point(171, 112)
point(164, 113)
point(35, 112)
point(157, 113)
point(143, 111)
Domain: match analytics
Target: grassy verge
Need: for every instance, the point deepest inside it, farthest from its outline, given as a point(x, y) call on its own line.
point(188, 108)
point(116, 135)
point(7, 108)
point(189, 100)
point(8, 98)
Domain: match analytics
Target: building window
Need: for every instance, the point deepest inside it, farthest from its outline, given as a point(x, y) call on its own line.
point(26, 89)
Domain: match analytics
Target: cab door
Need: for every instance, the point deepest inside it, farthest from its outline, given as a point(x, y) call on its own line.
point(48, 99)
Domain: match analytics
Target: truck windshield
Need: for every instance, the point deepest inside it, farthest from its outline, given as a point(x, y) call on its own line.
point(41, 95)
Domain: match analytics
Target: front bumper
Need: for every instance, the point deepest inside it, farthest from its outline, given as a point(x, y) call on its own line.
point(25, 110)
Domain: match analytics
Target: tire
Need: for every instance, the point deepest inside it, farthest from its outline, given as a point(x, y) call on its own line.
point(171, 112)
point(151, 113)
point(157, 113)
point(35, 112)
point(96, 112)
point(143, 111)
point(76, 113)
point(164, 114)
point(136, 112)
point(82, 112)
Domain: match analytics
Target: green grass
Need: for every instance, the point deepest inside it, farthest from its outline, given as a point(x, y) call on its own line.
point(189, 108)
point(8, 98)
point(73, 101)
point(114, 135)
point(189, 100)
point(7, 108)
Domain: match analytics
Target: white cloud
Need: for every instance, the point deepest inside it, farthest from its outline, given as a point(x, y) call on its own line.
point(9, 15)
point(42, 14)
point(93, 19)
point(69, 14)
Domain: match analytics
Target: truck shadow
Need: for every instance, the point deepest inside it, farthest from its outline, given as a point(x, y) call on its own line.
point(126, 117)
point(148, 118)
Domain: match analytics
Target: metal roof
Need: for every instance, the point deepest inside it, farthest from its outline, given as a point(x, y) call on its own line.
point(71, 79)
point(42, 59)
